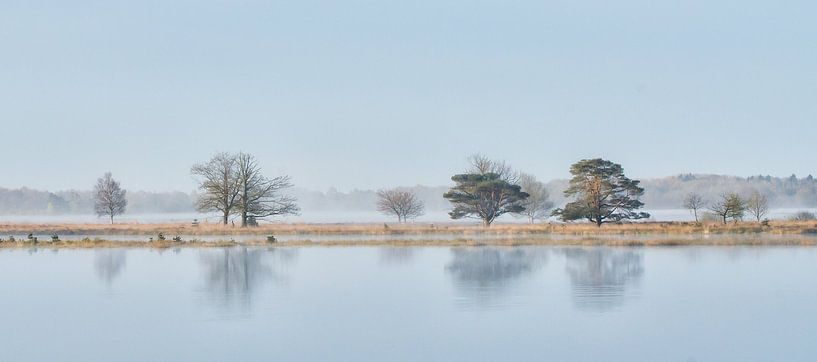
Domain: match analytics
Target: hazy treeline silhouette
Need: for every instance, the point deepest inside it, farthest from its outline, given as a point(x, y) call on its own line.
point(668, 192)
point(26, 201)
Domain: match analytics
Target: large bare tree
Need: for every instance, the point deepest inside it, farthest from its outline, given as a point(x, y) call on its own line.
point(694, 202)
point(259, 196)
point(758, 205)
point(218, 184)
point(109, 197)
point(401, 203)
point(538, 204)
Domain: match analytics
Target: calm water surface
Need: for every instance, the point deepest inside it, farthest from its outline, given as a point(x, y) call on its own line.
point(383, 303)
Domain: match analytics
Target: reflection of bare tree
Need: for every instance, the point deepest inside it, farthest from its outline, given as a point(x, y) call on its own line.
point(601, 276)
point(396, 255)
point(483, 274)
point(109, 264)
point(233, 274)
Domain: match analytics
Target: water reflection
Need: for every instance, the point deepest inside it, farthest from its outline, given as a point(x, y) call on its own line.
point(600, 277)
point(109, 264)
point(483, 275)
point(396, 255)
point(233, 275)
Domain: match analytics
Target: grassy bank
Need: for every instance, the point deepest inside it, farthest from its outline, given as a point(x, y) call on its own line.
point(214, 235)
point(774, 227)
point(787, 240)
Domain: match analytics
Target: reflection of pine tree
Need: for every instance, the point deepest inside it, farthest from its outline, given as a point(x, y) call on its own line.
point(483, 274)
point(600, 276)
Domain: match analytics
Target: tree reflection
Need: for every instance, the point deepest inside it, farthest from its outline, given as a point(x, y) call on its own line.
point(483, 275)
point(600, 277)
point(234, 274)
point(396, 255)
point(109, 264)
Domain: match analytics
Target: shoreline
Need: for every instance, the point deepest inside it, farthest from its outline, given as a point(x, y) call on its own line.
point(635, 228)
point(85, 236)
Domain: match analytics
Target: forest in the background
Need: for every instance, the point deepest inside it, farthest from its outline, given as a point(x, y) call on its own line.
point(661, 193)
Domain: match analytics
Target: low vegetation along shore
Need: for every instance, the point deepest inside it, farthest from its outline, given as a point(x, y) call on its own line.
point(20, 235)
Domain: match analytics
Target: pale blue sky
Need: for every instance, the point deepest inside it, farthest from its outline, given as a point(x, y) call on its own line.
point(369, 94)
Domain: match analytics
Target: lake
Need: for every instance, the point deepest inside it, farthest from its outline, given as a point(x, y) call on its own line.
point(429, 303)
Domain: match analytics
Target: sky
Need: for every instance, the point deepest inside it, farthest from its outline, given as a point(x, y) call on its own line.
point(374, 94)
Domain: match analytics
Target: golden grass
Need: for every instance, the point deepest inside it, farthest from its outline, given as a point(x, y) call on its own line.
point(775, 227)
point(649, 242)
point(449, 234)
point(102, 243)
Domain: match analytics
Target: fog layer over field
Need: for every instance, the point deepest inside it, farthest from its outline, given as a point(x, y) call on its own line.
point(663, 197)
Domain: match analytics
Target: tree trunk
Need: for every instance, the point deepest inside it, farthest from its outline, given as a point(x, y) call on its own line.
point(243, 219)
point(598, 222)
point(486, 223)
point(111, 219)
point(226, 217)
point(695, 211)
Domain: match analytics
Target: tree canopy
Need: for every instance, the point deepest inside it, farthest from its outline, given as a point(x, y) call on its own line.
point(601, 193)
point(484, 196)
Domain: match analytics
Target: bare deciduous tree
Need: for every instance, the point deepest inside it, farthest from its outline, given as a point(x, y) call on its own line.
point(729, 206)
point(538, 204)
point(110, 197)
point(482, 165)
point(259, 196)
point(758, 205)
point(218, 183)
point(401, 203)
point(694, 202)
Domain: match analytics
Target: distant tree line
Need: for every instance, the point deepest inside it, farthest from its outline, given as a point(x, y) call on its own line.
point(670, 192)
point(486, 190)
point(26, 201)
